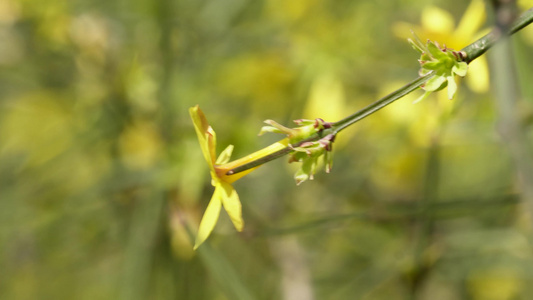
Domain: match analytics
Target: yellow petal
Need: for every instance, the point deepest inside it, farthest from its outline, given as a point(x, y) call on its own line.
point(525, 4)
point(403, 30)
point(472, 20)
point(232, 204)
point(211, 145)
point(210, 218)
point(206, 134)
point(437, 20)
point(225, 155)
point(478, 75)
point(199, 120)
point(326, 99)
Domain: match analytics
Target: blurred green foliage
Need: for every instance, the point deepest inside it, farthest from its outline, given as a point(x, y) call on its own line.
point(102, 183)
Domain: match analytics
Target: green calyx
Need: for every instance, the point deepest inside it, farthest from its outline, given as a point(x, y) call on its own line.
point(306, 129)
point(308, 153)
point(443, 63)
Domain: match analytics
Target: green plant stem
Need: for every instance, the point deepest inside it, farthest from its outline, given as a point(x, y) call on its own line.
point(379, 104)
point(479, 47)
point(472, 51)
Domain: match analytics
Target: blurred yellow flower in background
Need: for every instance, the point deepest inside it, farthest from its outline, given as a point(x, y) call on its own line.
point(527, 33)
point(525, 4)
point(439, 25)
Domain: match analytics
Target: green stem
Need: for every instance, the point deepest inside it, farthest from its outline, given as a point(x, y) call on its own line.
point(479, 47)
point(472, 51)
point(379, 104)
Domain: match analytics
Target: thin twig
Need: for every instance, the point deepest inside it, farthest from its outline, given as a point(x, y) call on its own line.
point(472, 51)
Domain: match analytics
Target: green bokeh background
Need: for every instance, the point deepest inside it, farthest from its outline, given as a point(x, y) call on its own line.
point(102, 182)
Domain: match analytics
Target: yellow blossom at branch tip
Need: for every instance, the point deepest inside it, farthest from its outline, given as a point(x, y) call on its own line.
point(224, 194)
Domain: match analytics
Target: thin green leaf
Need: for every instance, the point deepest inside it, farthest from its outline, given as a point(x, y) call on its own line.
point(435, 83)
point(460, 68)
point(433, 65)
point(415, 46)
point(417, 43)
point(301, 176)
point(436, 52)
point(452, 87)
point(306, 171)
point(269, 129)
point(424, 96)
point(328, 161)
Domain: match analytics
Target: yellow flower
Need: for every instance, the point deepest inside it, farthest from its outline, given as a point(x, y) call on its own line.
point(439, 25)
point(224, 195)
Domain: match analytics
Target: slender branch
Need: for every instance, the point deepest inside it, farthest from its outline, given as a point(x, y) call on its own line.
point(481, 46)
point(522, 21)
point(472, 51)
point(379, 104)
